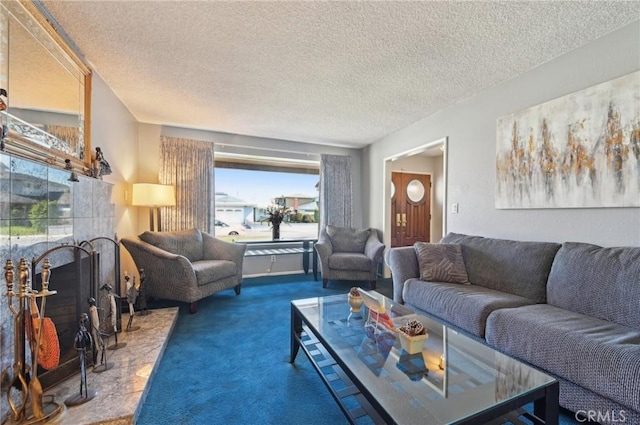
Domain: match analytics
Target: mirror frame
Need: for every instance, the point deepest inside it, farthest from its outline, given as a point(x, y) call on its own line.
point(14, 142)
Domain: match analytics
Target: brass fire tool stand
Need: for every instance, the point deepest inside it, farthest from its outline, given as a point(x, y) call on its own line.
point(28, 406)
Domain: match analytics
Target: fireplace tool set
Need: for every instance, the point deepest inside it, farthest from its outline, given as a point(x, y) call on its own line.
point(27, 305)
point(105, 315)
point(30, 324)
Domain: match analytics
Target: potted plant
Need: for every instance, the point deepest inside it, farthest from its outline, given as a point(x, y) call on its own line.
point(412, 336)
point(275, 215)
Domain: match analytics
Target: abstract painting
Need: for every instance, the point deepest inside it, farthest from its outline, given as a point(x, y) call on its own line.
point(581, 150)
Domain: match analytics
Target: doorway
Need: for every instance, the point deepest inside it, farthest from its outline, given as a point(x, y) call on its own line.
point(428, 159)
point(410, 208)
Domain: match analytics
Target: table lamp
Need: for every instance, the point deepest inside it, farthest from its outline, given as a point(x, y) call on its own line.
point(153, 196)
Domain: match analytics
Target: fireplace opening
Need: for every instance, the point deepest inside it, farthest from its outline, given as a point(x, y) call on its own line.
point(73, 283)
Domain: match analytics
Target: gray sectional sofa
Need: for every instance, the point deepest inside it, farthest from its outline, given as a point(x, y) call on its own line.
point(571, 309)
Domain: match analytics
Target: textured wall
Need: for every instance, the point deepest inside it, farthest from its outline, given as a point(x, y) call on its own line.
point(115, 131)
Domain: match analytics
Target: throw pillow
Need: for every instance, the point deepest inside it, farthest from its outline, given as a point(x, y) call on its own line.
point(347, 239)
point(441, 262)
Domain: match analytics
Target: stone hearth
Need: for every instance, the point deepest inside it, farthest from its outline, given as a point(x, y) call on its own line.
point(123, 388)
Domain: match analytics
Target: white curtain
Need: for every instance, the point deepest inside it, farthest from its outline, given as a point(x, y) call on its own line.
point(335, 190)
point(188, 166)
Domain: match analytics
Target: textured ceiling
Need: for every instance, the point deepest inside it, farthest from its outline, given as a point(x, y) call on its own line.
point(338, 73)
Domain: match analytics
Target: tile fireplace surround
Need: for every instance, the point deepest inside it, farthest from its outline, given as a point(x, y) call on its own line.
point(41, 209)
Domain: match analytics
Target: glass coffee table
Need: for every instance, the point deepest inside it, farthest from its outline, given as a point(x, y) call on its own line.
point(452, 380)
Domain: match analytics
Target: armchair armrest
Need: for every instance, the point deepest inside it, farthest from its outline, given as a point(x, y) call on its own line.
point(324, 248)
point(403, 263)
point(374, 248)
point(149, 249)
point(217, 249)
point(162, 268)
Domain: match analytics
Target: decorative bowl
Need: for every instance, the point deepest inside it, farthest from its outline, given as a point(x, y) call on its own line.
point(355, 303)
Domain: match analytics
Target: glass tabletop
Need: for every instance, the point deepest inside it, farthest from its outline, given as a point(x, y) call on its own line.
point(451, 378)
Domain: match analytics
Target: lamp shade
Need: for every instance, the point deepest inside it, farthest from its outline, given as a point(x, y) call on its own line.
point(153, 195)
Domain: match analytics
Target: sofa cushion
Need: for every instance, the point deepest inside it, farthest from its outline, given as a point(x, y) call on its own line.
point(596, 281)
point(466, 306)
point(208, 271)
point(599, 355)
point(519, 268)
point(441, 262)
point(347, 239)
point(187, 243)
point(349, 261)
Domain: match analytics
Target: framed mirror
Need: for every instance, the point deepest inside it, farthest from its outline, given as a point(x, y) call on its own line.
point(48, 89)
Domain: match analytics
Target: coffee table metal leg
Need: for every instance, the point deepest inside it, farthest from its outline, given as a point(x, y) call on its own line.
point(547, 408)
point(296, 333)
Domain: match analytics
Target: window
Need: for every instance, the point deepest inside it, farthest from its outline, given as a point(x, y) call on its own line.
point(246, 185)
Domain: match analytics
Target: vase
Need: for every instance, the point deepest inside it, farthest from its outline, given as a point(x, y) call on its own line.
point(275, 232)
point(355, 303)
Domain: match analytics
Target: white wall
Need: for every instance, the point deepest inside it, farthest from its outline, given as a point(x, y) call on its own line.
point(471, 130)
point(149, 154)
point(115, 131)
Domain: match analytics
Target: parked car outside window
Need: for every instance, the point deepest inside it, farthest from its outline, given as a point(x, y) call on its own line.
point(222, 228)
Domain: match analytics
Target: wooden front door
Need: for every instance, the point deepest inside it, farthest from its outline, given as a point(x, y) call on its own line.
point(410, 208)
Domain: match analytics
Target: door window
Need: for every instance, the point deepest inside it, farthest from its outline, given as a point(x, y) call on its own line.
point(415, 191)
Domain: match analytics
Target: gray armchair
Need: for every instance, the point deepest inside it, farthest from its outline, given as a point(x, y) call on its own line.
point(186, 265)
point(349, 254)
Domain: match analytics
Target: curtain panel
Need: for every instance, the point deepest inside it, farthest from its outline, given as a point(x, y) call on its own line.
point(335, 190)
point(188, 165)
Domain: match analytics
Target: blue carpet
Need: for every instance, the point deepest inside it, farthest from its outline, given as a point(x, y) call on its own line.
point(229, 363)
